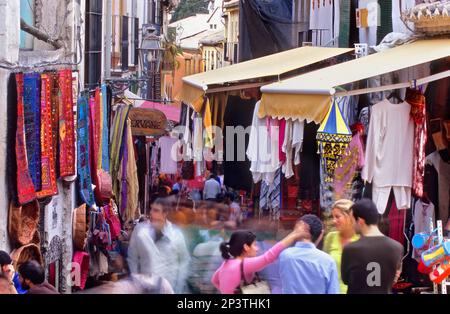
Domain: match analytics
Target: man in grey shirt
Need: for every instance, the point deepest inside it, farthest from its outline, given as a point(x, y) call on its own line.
point(211, 189)
point(372, 264)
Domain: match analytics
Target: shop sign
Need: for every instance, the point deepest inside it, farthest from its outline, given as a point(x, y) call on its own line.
point(148, 122)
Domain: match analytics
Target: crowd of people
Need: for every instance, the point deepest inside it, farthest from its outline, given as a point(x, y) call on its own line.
point(208, 247)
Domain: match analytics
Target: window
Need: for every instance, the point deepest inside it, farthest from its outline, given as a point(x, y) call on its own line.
point(124, 43)
point(27, 14)
point(93, 41)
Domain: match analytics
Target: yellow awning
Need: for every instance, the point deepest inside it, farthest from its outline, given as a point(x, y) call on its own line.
point(308, 96)
point(194, 86)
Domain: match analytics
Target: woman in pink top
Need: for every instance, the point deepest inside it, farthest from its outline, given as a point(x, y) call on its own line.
point(242, 248)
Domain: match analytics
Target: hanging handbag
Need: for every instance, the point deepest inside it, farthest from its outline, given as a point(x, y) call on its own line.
point(23, 222)
point(113, 221)
point(104, 187)
point(79, 228)
point(257, 286)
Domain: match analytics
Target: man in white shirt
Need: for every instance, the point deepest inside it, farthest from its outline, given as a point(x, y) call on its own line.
point(211, 189)
point(159, 248)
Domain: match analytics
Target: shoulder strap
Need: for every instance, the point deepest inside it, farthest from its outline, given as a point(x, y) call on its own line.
point(243, 274)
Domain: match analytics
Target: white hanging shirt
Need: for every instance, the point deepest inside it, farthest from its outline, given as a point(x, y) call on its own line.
point(390, 146)
point(292, 144)
point(259, 150)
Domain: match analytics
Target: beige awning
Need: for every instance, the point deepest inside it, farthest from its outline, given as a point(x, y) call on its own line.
point(195, 86)
point(308, 96)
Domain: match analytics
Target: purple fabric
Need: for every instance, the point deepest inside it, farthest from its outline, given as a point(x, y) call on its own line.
point(124, 189)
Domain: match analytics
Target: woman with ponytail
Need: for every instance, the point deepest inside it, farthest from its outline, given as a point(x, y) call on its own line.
point(242, 248)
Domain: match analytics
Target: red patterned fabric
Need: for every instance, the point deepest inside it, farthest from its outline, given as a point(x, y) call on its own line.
point(55, 120)
point(25, 187)
point(49, 186)
point(418, 114)
point(94, 135)
point(66, 125)
point(397, 223)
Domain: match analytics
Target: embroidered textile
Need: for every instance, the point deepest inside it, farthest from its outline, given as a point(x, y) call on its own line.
point(333, 138)
point(84, 172)
point(32, 118)
point(75, 100)
point(347, 166)
point(25, 187)
point(55, 120)
point(66, 124)
point(270, 196)
point(49, 186)
point(116, 144)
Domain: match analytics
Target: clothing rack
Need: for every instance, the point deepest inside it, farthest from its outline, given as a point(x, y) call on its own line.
point(411, 83)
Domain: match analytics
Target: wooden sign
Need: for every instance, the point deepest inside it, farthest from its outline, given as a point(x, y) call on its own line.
point(149, 122)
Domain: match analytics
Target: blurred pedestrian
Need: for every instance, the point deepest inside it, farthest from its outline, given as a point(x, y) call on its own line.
point(159, 247)
point(211, 189)
point(134, 284)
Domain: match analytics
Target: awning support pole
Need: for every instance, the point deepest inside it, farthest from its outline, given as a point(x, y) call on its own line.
point(416, 82)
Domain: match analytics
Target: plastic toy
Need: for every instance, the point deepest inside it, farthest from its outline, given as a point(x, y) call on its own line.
point(433, 255)
point(421, 268)
point(421, 240)
point(441, 272)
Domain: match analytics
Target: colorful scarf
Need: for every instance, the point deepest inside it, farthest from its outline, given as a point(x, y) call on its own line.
point(104, 140)
point(49, 186)
point(129, 194)
point(93, 137)
point(66, 125)
point(116, 144)
point(25, 187)
point(347, 166)
point(123, 177)
point(84, 172)
point(32, 116)
point(55, 120)
point(75, 100)
point(418, 114)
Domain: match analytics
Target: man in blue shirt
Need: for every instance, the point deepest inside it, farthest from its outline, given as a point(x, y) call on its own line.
point(304, 269)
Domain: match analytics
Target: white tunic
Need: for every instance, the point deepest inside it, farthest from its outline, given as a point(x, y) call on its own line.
point(260, 151)
point(389, 152)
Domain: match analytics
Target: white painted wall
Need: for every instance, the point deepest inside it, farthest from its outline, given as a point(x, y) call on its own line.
point(9, 52)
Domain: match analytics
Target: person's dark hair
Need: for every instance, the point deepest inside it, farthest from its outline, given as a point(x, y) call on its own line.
point(231, 196)
point(164, 202)
point(235, 246)
point(33, 271)
point(367, 210)
point(162, 191)
point(220, 197)
point(5, 259)
point(315, 225)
